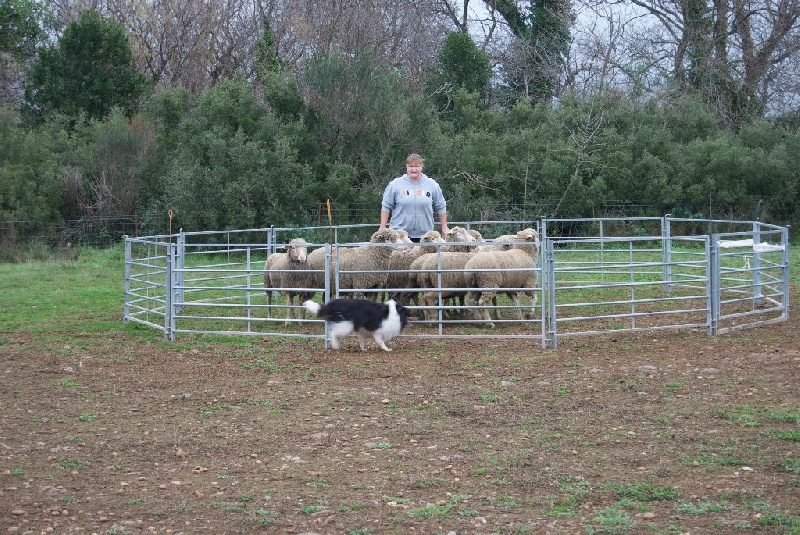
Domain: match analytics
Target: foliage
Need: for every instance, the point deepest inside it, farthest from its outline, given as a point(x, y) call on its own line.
point(537, 61)
point(30, 186)
point(367, 114)
point(90, 72)
point(23, 24)
point(461, 66)
point(232, 160)
point(235, 165)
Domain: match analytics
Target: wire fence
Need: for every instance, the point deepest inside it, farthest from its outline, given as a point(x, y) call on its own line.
point(95, 231)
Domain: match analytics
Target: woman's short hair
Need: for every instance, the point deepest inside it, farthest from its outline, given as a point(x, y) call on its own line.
point(415, 158)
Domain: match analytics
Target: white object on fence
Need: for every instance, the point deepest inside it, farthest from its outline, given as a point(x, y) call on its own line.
point(766, 247)
point(730, 244)
point(757, 247)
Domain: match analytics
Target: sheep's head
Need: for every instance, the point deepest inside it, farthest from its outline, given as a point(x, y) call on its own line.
point(531, 239)
point(504, 239)
point(404, 237)
point(387, 236)
point(476, 236)
point(432, 236)
point(297, 249)
point(462, 236)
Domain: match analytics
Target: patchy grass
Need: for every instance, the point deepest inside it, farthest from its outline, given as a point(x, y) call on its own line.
point(244, 435)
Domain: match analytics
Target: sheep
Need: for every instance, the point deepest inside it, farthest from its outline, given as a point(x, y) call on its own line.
point(513, 268)
point(373, 260)
point(453, 235)
point(279, 274)
point(400, 274)
point(449, 261)
point(476, 236)
point(500, 243)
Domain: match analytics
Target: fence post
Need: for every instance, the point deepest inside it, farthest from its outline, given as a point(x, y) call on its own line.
point(713, 283)
point(271, 240)
point(179, 269)
point(550, 338)
point(327, 293)
point(168, 297)
point(127, 303)
point(666, 251)
point(758, 292)
point(248, 280)
point(785, 271)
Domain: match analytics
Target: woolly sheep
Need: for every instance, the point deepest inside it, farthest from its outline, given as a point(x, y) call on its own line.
point(449, 261)
point(362, 258)
point(316, 261)
point(500, 243)
point(453, 235)
point(364, 267)
point(400, 274)
point(280, 274)
point(513, 268)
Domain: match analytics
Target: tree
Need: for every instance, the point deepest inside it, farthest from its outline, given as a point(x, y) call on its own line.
point(535, 63)
point(23, 25)
point(89, 71)
point(279, 87)
point(235, 165)
point(461, 66)
point(730, 52)
point(368, 115)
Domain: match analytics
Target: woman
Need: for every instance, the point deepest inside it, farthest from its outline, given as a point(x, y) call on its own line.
point(412, 200)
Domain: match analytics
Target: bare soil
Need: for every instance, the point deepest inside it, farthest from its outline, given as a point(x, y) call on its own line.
point(669, 432)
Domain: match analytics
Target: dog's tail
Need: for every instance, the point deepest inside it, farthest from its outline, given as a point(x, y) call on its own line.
point(312, 307)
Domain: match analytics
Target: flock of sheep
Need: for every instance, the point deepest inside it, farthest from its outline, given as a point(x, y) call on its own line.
point(458, 266)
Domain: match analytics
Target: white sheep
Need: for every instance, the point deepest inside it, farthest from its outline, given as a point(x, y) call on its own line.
point(365, 267)
point(500, 243)
point(280, 275)
point(488, 272)
point(316, 262)
point(400, 272)
point(449, 261)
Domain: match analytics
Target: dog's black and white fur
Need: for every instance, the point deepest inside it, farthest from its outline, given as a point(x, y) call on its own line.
point(383, 321)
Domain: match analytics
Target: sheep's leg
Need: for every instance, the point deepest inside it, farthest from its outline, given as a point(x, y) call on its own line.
point(303, 297)
point(289, 298)
point(472, 301)
point(430, 299)
point(534, 299)
point(514, 296)
point(269, 303)
point(379, 340)
point(485, 298)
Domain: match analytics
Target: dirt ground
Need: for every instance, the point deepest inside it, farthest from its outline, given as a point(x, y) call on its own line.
point(670, 432)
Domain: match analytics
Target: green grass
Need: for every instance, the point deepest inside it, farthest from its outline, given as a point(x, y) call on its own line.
point(81, 295)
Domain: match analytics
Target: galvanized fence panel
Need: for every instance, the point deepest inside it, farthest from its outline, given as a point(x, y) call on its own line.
point(148, 276)
point(753, 278)
point(594, 279)
point(616, 284)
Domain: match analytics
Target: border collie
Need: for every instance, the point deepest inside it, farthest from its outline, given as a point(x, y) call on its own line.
point(383, 321)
